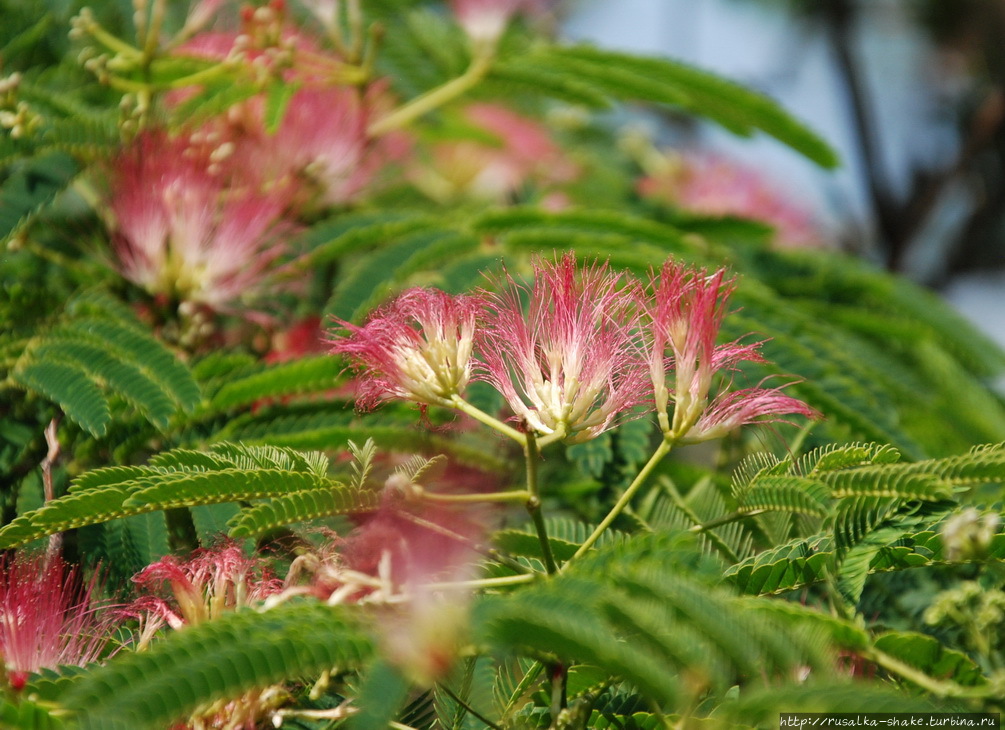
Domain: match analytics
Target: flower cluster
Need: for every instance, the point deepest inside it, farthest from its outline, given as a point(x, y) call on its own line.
point(200, 209)
point(211, 583)
point(49, 616)
point(592, 347)
point(187, 234)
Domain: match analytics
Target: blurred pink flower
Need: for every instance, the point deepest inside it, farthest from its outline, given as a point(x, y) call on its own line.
point(212, 582)
point(322, 140)
point(685, 312)
point(49, 616)
point(525, 152)
point(571, 365)
point(186, 233)
point(418, 347)
point(714, 186)
point(415, 555)
point(321, 148)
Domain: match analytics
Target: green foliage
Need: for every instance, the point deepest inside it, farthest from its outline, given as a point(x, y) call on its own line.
point(32, 185)
point(670, 82)
point(27, 715)
point(214, 660)
point(96, 350)
point(186, 478)
point(640, 611)
point(926, 654)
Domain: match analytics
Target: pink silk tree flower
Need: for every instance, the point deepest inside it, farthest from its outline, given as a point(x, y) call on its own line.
point(322, 141)
point(211, 583)
point(571, 366)
point(188, 234)
point(49, 616)
point(321, 149)
point(685, 315)
point(525, 153)
point(417, 348)
point(714, 186)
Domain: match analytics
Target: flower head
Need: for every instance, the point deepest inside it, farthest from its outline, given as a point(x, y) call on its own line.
point(685, 314)
point(205, 587)
point(320, 150)
point(714, 186)
point(48, 615)
point(322, 140)
point(416, 348)
point(524, 152)
point(210, 584)
point(187, 233)
point(571, 365)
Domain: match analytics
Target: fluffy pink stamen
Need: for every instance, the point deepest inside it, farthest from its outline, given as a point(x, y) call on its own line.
point(49, 616)
point(685, 313)
point(571, 365)
point(417, 348)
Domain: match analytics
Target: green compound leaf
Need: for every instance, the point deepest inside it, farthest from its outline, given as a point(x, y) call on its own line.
point(215, 660)
point(664, 81)
point(310, 374)
point(927, 654)
point(71, 389)
point(300, 507)
point(805, 561)
point(182, 478)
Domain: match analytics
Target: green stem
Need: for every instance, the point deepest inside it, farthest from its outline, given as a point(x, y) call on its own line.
point(113, 43)
point(134, 87)
point(938, 687)
point(501, 582)
point(435, 98)
point(482, 417)
point(518, 495)
point(153, 31)
point(556, 435)
point(468, 708)
point(198, 77)
point(725, 520)
point(662, 450)
point(534, 502)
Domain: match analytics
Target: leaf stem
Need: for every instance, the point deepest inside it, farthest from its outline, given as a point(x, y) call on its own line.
point(112, 42)
point(534, 502)
point(467, 707)
point(725, 520)
point(482, 417)
point(500, 582)
point(517, 495)
point(661, 451)
point(938, 687)
point(434, 98)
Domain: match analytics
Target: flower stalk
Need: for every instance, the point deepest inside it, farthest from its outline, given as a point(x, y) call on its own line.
point(533, 504)
point(661, 451)
point(434, 99)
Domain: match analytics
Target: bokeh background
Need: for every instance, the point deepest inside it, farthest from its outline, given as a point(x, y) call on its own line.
point(910, 92)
